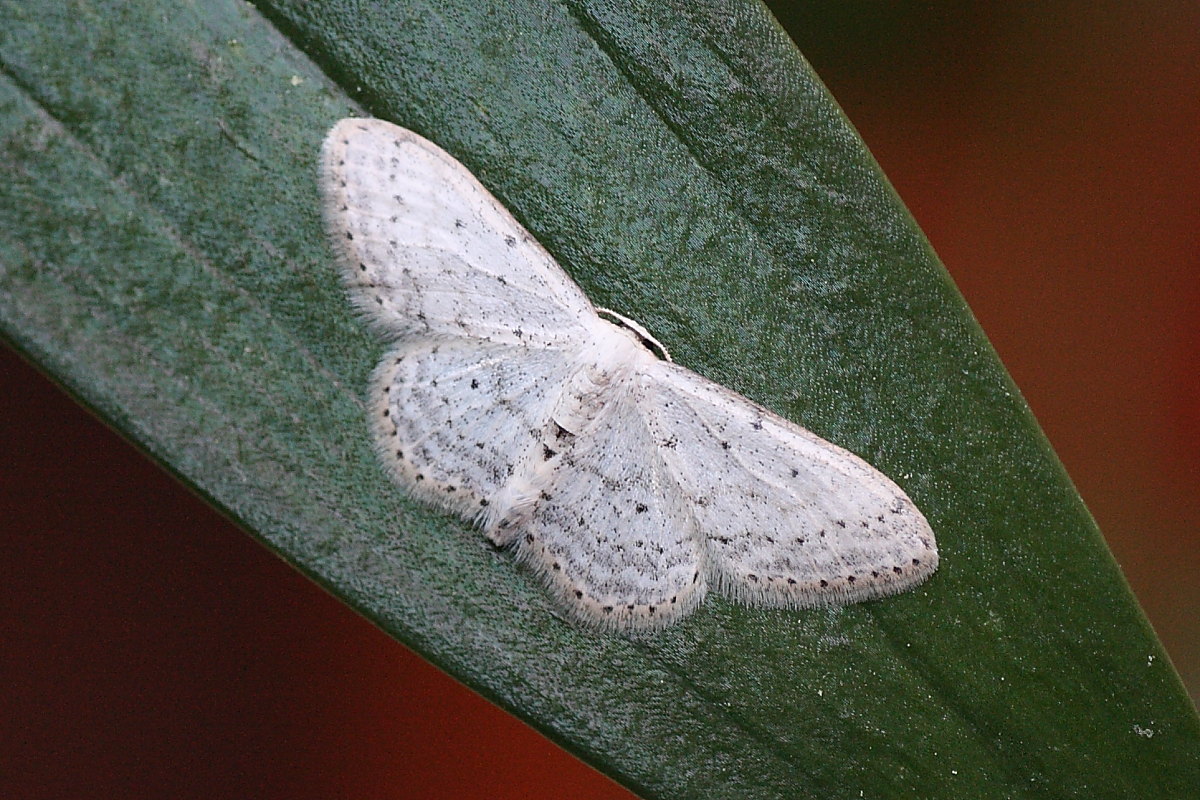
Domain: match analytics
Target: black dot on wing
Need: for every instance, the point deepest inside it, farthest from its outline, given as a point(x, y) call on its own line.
point(640, 508)
point(483, 503)
point(724, 445)
point(795, 472)
point(474, 383)
point(578, 594)
point(897, 570)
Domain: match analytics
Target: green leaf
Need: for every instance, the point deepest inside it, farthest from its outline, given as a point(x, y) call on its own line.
point(161, 254)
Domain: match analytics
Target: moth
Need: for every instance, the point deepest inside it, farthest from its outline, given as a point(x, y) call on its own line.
point(630, 485)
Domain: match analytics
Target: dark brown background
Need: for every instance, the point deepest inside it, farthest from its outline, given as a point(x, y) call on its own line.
point(152, 649)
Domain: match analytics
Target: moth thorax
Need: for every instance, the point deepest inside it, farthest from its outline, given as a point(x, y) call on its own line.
point(611, 352)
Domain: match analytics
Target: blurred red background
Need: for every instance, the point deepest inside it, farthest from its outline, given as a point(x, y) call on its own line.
point(152, 649)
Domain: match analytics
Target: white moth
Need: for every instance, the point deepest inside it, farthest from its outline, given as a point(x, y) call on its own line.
point(630, 485)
